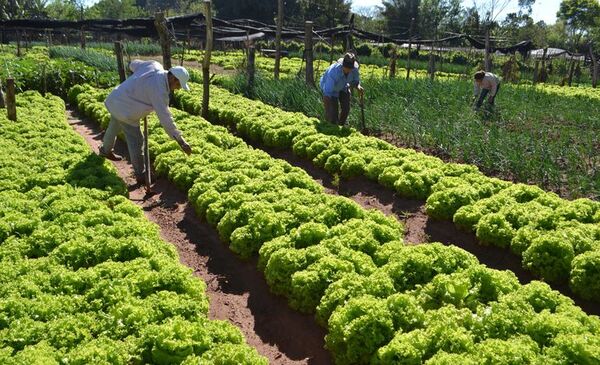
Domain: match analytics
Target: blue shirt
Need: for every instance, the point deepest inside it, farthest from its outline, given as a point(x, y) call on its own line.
point(333, 80)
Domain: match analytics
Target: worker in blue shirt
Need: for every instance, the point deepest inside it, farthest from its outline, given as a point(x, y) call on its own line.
point(336, 83)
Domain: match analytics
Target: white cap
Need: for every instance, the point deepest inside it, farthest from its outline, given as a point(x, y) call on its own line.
point(182, 75)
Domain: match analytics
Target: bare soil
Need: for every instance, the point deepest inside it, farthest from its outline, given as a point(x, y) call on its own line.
point(237, 291)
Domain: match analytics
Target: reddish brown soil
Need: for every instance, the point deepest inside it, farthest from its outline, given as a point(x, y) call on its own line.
point(236, 289)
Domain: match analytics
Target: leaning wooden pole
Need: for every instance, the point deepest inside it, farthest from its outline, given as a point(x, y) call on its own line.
point(120, 65)
point(278, 39)
point(594, 67)
point(11, 104)
point(165, 41)
point(410, 32)
point(308, 50)
point(206, 60)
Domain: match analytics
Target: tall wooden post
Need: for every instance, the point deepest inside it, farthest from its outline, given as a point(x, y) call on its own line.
point(18, 43)
point(308, 49)
point(393, 58)
point(278, 39)
point(251, 68)
point(120, 65)
point(432, 61)
point(488, 56)
point(571, 70)
point(82, 37)
point(163, 35)
point(410, 31)
point(11, 106)
point(594, 67)
point(44, 81)
point(206, 60)
point(349, 39)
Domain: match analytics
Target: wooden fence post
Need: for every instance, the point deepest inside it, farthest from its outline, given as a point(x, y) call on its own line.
point(594, 67)
point(308, 50)
point(82, 37)
point(410, 31)
point(11, 106)
point(393, 58)
point(278, 39)
point(165, 39)
point(251, 67)
point(206, 60)
point(18, 43)
point(44, 81)
point(488, 56)
point(120, 65)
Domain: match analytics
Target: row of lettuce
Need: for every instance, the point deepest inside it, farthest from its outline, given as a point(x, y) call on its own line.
point(381, 301)
point(85, 277)
point(294, 66)
point(37, 70)
point(558, 240)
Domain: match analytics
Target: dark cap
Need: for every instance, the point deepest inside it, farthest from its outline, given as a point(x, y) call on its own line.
point(349, 60)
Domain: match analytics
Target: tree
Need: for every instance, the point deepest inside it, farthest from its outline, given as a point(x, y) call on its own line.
point(369, 18)
point(397, 15)
point(116, 9)
point(580, 17)
point(15, 9)
point(326, 13)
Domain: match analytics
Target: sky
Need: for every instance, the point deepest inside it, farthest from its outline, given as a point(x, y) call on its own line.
point(542, 9)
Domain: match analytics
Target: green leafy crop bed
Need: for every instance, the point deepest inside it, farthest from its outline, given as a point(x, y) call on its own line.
point(559, 240)
point(85, 278)
point(381, 301)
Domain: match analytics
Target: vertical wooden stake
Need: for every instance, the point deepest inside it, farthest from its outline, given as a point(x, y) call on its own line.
point(594, 67)
point(278, 39)
point(120, 65)
point(11, 106)
point(251, 67)
point(394, 57)
point(488, 56)
point(82, 37)
point(206, 60)
point(410, 30)
point(165, 39)
point(44, 82)
point(308, 49)
point(18, 43)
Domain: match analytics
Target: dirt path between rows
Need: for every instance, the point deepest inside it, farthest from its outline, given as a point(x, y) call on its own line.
point(236, 289)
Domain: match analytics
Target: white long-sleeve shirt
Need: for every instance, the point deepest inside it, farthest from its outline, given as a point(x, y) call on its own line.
point(145, 91)
point(490, 82)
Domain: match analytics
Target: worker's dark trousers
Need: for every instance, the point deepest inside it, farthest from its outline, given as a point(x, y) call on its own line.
point(484, 93)
point(331, 107)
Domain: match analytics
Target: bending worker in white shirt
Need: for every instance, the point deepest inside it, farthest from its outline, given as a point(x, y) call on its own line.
point(145, 91)
point(486, 84)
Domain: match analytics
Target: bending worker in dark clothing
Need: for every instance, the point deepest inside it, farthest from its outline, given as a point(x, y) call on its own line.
point(336, 83)
point(486, 84)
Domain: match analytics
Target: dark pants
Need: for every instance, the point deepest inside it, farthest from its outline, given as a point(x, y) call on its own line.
point(331, 107)
point(484, 93)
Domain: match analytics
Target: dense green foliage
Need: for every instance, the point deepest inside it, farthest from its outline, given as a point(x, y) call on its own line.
point(522, 140)
point(36, 71)
point(500, 212)
point(382, 302)
point(85, 277)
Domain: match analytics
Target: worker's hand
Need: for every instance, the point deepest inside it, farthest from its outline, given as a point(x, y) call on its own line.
point(184, 145)
point(361, 90)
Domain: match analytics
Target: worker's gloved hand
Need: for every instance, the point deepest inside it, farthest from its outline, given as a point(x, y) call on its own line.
point(184, 145)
